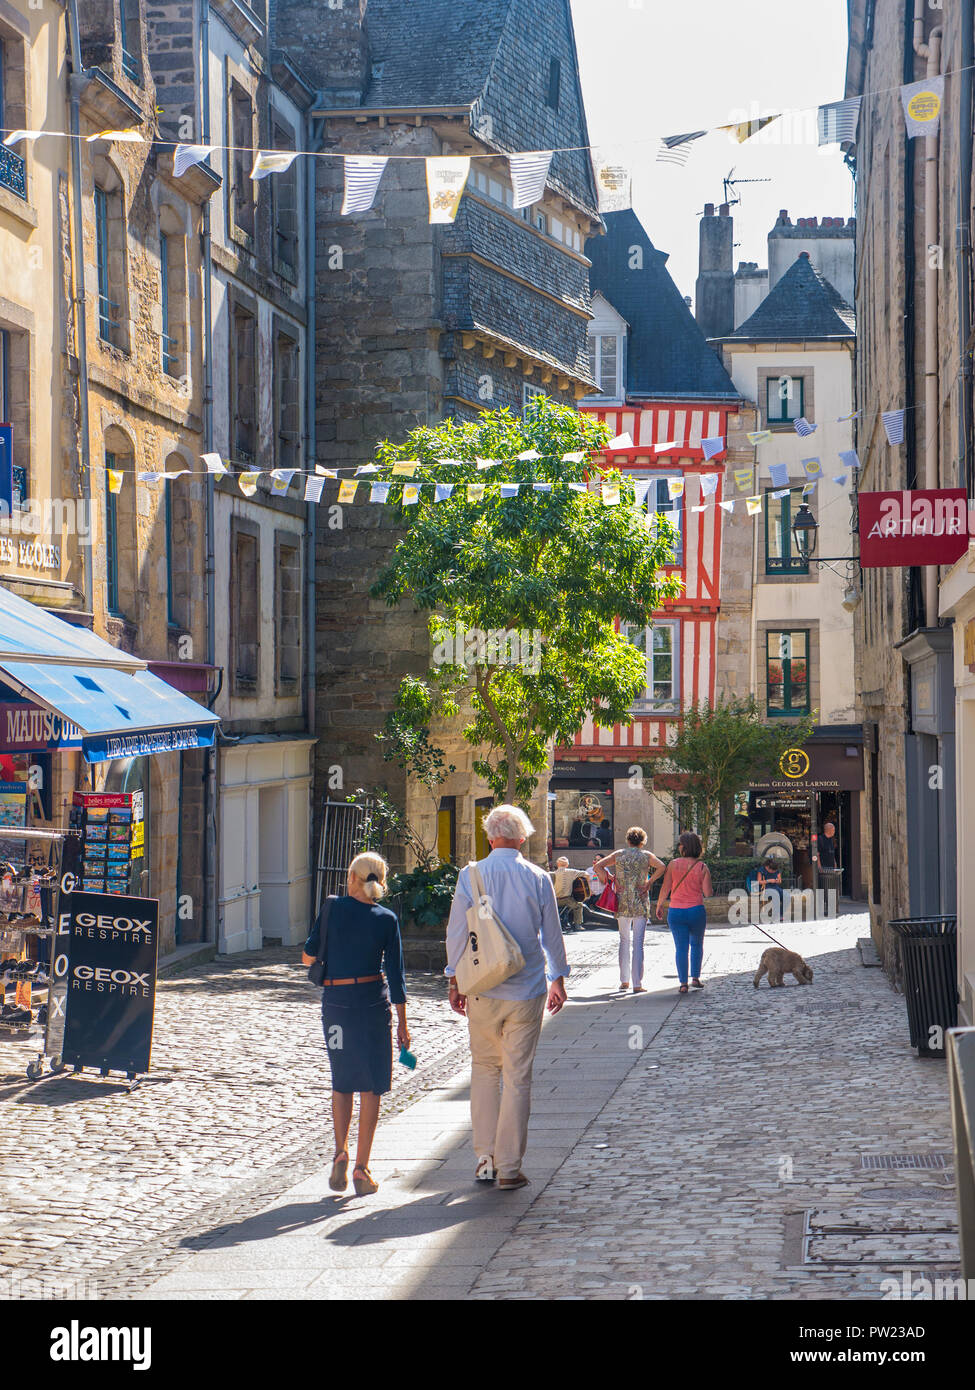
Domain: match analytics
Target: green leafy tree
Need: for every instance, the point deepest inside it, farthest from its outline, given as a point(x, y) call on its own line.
point(556, 567)
point(719, 749)
point(406, 741)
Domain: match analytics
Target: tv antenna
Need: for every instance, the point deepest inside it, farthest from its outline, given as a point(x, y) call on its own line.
point(731, 184)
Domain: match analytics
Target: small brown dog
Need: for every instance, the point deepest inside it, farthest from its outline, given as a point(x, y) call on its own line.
point(777, 962)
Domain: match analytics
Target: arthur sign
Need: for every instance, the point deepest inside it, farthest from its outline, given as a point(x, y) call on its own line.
point(913, 528)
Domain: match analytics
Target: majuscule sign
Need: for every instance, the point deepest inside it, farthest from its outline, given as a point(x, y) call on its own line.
point(929, 527)
point(106, 965)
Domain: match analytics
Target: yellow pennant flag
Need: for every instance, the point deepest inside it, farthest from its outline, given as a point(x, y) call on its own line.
point(675, 487)
point(754, 505)
point(347, 490)
point(743, 478)
point(758, 436)
point(744, 130)
point(247, 482)
point(405, 470)
point(475, 491)
point(446, 177)
point(325, 472)
point(411, 493)
point(115, 476)
point(125, 137)
point(611, 494)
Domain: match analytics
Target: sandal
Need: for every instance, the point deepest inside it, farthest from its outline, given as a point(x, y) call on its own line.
point(624, 984)
point(339, 1181)
point(698, 984)
point(364, 1186)
point(682, 990)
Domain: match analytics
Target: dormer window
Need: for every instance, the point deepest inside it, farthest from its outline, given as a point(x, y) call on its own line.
point(554, 83)
point(605, 363)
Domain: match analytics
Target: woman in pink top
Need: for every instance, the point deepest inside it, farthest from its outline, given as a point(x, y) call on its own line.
point(687, 883)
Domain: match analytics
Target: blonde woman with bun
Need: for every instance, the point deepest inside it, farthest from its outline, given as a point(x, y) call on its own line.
point(363, 977)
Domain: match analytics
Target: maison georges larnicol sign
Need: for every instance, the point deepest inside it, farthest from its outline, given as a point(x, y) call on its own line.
point(929, 527)
point(104, 987)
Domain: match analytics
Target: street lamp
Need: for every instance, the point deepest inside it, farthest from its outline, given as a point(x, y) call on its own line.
point(804, 530)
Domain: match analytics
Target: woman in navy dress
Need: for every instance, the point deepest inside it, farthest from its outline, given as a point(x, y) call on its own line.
point(363, 942)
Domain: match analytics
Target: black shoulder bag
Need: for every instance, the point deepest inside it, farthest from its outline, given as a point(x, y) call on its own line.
point(316, 971)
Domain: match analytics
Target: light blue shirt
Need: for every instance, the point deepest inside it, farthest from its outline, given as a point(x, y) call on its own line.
point(524, 901)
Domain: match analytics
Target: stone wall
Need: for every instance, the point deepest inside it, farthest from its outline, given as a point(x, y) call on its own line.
point(733, 666)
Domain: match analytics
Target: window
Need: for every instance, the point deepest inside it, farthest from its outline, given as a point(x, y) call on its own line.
point(111, 538)
point(781, 553)
point(170, 273)
point(660, 503)
point(659, 643)
point(287, 407)
point(447, 829)
point(245, 607)
point(130, 39)
point(242, 201)
point(787, 672)
point(180, 557)
point(287, 615)
point(554, 83)
point(284, 205)
point(15, 409)
point(243, 384)
point(604, 363)
point(110, 258)
point(582, 816)
point(528, 394)
point(13, 112)
point(784, 399)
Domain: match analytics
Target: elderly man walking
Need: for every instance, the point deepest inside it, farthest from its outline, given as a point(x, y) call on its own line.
point(505, 1022)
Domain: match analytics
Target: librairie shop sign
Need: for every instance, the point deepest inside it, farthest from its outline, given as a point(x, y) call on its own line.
point(928, 527)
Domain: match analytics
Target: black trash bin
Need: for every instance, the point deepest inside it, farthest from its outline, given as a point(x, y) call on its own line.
point(929, 950)
point(831, 881)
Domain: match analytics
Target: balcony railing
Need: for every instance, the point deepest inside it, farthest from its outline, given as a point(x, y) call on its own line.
point(13, 172)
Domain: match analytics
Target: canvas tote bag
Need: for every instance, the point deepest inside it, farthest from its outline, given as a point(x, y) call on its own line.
point(491, 955)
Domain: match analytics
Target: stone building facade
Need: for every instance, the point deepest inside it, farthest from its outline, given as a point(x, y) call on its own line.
point(416, 323)
point(914, 315)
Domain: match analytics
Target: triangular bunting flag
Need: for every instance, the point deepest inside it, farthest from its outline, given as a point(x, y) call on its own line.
point(313, 488)
point(841, 479)
point(442, 492)
point(574, 458)
point(849, 458)
point(150, 478)
point(528, 174)
point(709, 484)
point(780, 493)
point(446, 177)
point(510, 489)
point(622, 441)
point(893, 425)
point(743, 478)
point(528, 455)
point(347, 490)
point(813, 468)
point(542, 487)
point(728, 506)
point(675, 149)
point(214, 464)
point(272, 162)
point(362, 175)
point(405, 470)
point(411, 494)
point(188, 155)
point(675, 488)
point(758, 436)
point(803, 428)
point(702, 507)
point(281, 480)
point(754, 505)
point(379, 492)
point(837, 121)
point(121, 137)
point(922, 105)
point(613, 180)
point(247, 482)
point(610, 494)
point(779, 474)
point(475, 491)
point(712, 447)
point(744, 130)
point(115, 477)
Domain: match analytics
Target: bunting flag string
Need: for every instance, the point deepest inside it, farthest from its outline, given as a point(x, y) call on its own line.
point(362, 175)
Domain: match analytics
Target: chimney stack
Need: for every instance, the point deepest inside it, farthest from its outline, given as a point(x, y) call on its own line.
point(328, 45)
point(714, 293)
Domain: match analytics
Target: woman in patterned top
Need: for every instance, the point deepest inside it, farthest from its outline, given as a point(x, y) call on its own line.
point(633, 879)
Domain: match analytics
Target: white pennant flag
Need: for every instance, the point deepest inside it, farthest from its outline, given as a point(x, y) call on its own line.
point(922, 103)
point(528, 174)
point(362, 175)
point(728, 506)
point(188, 155)
point(622, 441)
point(16, 135)
point(640, 490)
point(151, 478)
point(313, 488)
point(446, 177)
point(709, 484)
point(702, 508)
point(272, 162)
point(573, 458)
point(527, 455)
point(214, 464)
point(837, 121)
point(613, 180)
point(129, 136)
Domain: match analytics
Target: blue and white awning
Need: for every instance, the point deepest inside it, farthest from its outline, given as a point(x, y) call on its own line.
point(120, 707)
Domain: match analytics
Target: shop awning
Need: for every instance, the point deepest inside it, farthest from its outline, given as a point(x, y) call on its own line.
point(121, 709)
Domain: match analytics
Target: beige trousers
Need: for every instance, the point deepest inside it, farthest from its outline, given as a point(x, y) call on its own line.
point(504, 1036)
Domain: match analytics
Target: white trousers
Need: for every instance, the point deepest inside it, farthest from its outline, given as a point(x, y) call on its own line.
point(632, 930)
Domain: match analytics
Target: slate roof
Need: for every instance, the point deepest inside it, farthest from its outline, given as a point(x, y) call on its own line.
point(667, 354)
point(437, 53)
point(802, 305)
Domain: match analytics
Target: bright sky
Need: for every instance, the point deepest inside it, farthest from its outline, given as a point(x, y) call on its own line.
point(653, 68)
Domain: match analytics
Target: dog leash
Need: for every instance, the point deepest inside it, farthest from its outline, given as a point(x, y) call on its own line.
point(770, 936)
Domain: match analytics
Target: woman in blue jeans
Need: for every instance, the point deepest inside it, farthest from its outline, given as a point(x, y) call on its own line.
point(687, 883)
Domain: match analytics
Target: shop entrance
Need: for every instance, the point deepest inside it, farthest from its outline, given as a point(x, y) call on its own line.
point(788, 815)
point(132, 775)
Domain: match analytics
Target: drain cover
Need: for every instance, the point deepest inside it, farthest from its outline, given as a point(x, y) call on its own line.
point(933, 1160)
point(834, 1238)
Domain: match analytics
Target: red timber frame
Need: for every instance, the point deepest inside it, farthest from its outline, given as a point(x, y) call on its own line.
point(682, 425)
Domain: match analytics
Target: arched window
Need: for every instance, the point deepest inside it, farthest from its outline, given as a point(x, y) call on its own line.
point(111, 255)
point(121, 535)
point(180, 533)
point(174, 336)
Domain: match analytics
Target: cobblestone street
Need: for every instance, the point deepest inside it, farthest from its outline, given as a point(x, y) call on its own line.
point(98, 1183)
point(736, 1143)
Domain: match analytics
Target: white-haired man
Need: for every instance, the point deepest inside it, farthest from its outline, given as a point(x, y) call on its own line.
point(505, 1022)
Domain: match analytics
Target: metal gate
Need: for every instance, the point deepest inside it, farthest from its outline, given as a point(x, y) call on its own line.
point(348, 828)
